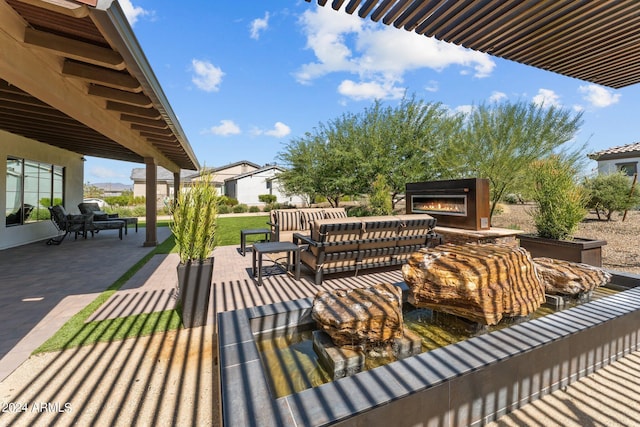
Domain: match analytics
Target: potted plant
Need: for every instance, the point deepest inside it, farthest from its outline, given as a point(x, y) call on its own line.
point(194, 220)
point(560, 206)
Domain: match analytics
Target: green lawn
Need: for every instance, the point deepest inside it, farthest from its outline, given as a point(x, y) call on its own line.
point(76, 332)
point(228, 230)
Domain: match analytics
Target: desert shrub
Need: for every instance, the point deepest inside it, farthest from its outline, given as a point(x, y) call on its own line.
point(359, 210)
point(139, 210)
point(224, 209)
point(240, 208)
point(226, 200)
point(380, 198)
point(267, 198)
point(254, 209)
point(560, 201)
point(609, 193)
point(513, 198)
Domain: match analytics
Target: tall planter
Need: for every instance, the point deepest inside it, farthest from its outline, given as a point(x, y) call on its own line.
point(587, 251)
point(194, 282)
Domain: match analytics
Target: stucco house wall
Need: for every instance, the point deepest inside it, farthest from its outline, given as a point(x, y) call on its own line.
point(613, 165)
point(20, 147)
point(623, 157)
point(246, 188)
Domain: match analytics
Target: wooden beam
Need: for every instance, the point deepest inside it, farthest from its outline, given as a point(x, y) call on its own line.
point(149, 113)
point(137, 99)
point(155, 131)
point(102, 76)
point(74, 49)
point(167, 138)
point(161, 124)
point(65, 7)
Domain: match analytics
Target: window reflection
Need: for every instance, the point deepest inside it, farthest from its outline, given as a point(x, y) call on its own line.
point(31, 188)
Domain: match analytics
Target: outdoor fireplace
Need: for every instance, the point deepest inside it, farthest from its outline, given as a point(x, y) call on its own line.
point(460, 203)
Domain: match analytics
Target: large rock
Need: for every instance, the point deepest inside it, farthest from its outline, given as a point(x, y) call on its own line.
point(360, 318)
point(480, 282)
point(569, 278)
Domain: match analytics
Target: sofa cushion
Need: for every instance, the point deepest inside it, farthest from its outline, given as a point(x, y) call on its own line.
point(413, 225)
point(307, 216)
point(287, 219)
point(346, 229)
point(378, 227)
point(330, 213)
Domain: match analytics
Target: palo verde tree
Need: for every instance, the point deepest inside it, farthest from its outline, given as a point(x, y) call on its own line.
point(346, 155)
point(400, 141)
point(325, 162)
point(501, 141)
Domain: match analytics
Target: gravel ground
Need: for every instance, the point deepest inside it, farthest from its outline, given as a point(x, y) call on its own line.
point(622, 251)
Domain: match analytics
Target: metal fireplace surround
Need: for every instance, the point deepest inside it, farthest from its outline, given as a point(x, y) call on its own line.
point(459, 203)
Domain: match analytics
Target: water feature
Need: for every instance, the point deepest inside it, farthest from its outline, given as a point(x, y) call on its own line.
point(292, 365)
point(463, 384)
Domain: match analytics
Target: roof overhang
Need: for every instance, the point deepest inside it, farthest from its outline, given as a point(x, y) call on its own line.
point(79, 80)
point(597, 41)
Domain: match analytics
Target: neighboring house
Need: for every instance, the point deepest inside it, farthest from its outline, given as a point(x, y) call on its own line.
point(247, 187)
point(112, 188)
point(624, 158)
point(165, 184)
point(74, 82)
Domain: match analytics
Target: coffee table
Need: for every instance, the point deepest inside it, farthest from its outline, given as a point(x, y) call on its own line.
point(245, 233)
point(260, 249)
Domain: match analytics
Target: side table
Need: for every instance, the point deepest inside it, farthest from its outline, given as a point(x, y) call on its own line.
point(245, 233)
point(260, 249)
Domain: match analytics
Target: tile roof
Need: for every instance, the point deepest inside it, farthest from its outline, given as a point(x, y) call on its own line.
point(621, 151)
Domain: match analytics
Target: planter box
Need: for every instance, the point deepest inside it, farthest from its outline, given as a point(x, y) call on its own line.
point(587, 251)
point(194, 284)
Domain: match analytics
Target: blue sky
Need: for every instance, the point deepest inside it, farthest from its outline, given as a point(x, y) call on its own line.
point(244, 78)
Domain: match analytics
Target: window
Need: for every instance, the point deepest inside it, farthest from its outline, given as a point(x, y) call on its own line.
point(629, 169)
point(31, 188)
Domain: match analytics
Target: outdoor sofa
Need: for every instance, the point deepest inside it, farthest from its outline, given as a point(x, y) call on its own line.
point(285, 222)
point(352, 244)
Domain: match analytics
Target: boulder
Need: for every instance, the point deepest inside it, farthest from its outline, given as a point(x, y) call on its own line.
point(569, 278)
point(480, 282)
point(360, 318)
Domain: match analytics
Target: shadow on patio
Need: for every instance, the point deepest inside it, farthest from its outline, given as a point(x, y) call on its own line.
point(171, 378)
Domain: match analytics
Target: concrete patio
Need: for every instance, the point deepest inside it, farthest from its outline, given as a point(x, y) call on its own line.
point(171, 378)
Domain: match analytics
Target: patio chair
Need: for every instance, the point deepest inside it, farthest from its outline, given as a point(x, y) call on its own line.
point(67, 223)
point(100, 215)
point(94, 209)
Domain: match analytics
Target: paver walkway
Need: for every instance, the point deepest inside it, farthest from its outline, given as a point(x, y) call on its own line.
point(170, 378)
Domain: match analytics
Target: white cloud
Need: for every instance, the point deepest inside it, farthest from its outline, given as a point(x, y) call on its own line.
point(132, 12)
point(226, 128)
point(369, 90)
point(598, 96)
point(497, 96)
point(433, 86)
point(464, 109)
point(279, 130)
point(547, 98)
point(258, 25)
point(345, 43)
point(207, 76)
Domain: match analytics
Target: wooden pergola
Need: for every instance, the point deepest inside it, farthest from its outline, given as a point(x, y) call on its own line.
point(596, 41)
